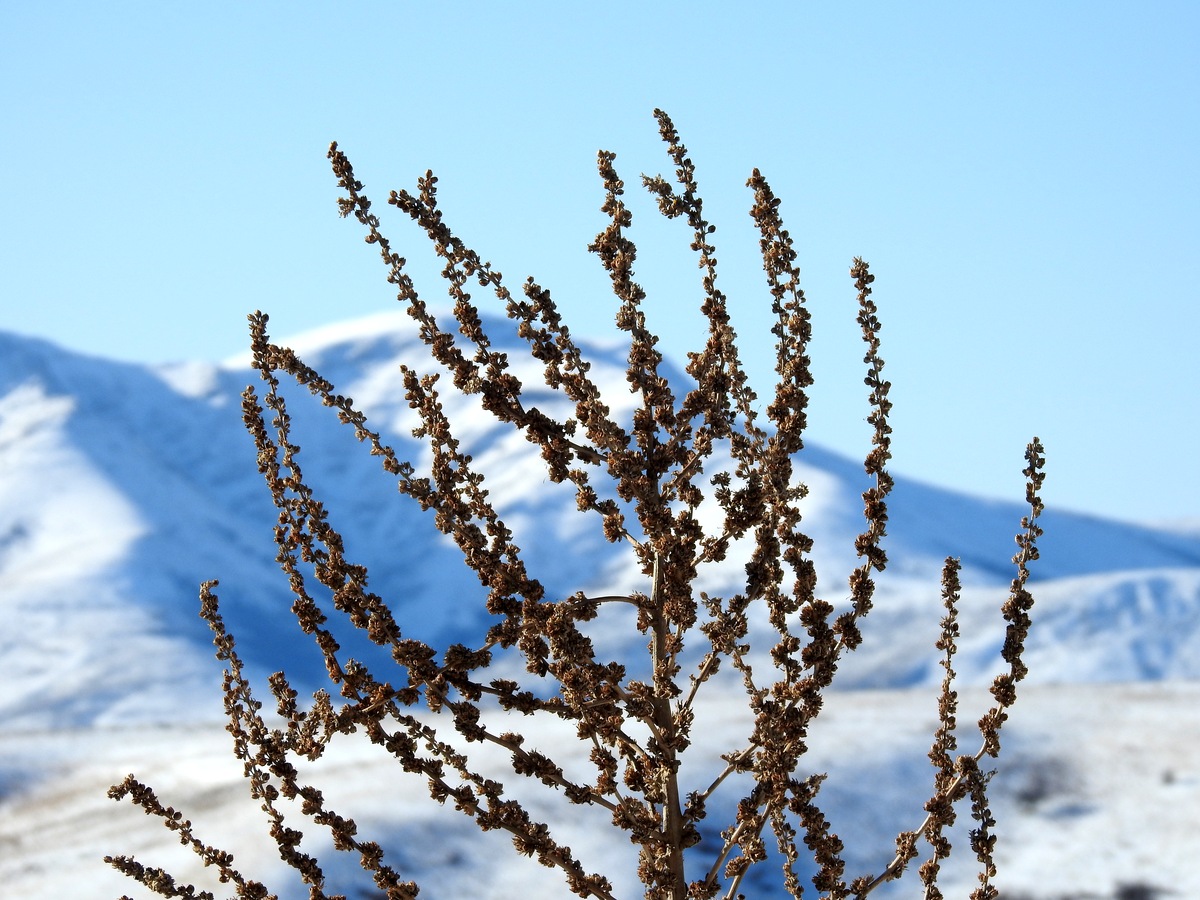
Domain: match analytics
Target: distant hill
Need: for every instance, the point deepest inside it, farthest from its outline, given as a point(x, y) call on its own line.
point(122, 487)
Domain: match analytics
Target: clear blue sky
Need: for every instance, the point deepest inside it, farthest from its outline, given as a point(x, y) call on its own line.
point(1022, 178)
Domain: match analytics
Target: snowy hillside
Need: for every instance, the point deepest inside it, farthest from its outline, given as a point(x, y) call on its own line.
point(123, 487)
point(1097, 797)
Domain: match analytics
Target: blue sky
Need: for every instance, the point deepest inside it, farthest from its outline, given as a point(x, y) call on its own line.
point(1021, 177)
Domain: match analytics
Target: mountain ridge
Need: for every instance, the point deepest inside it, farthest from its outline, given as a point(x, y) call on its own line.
point(149, 470)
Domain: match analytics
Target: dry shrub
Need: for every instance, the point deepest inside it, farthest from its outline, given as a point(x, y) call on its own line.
point(641, 482)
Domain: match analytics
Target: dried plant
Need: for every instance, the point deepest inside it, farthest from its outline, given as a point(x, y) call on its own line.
point(643, 481)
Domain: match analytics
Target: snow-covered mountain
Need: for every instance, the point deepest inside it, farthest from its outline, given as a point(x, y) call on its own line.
point(122, 487)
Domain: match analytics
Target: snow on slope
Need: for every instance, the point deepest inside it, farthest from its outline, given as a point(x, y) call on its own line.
point(1098, 792)
point(65, 531)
